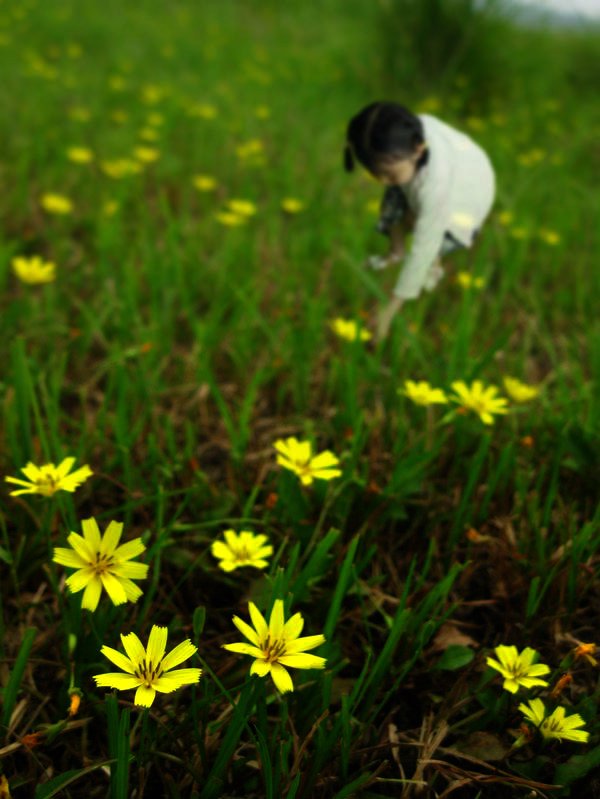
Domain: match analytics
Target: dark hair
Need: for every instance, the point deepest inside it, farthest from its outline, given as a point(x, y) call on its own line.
point(382, 132)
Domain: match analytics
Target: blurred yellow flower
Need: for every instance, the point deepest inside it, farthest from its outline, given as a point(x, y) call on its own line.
point(479, 399)
point(505, 218)
point(349, 330)
point(373, 206)
point(252, 148)
point(242, 549)
point(79, 114)
point(291, 205)
point(155, 119)
point(80, 155)
point(204, 182)
point(277, 645)
point(119, 116)
point(48, 479)
point(550, 237)
point(34, 270)
point(468, 281)
point(146, 155)
point(120, 167)
point(298, 458)
point(262, 111)
point(110, 207)
point(117, 83)
point(241, 207)
point(152, 94)
point(148, 670)
point(56, 204)
point(518, 391)
point(149, 134)
point(422, 393)
point(518, 670)
point(102, 563)
point(230, 219)
point(557, 724)
point(202, 110)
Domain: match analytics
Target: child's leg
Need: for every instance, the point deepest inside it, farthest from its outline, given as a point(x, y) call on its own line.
point(434, 275)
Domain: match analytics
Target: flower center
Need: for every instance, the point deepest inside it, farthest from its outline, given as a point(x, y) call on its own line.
point(47, 484)
point(103, 563)
point(273, 650)
point(146, 672)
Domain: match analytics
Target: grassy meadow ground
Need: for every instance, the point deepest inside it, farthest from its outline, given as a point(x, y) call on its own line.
point(180, 340)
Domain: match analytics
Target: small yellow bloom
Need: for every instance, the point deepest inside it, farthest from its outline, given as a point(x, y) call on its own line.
point(204, 182)
point(479, 399)
point(252, 148)
point(349, 330)
point(262, 112)
point(34, 270)
point(202, 110)
point(505, 218)
point(468, 281)
point(80, 155)
point(147, 155)
point(519, 392)
point(155, 120)
point(149, 670)
point(152, 94)
point(149, 134)
point(110, 207)
point(102, 563)
point(291, 205)
point(422, 393)
point(277, 645)
point(243, 549)
point(120, 167)
point(557, 724)
point(230, 219)
point(518, 669)
point(244, 208)
point(56, 204)
point(298, 458)
point(550, 237)
point(48, 479)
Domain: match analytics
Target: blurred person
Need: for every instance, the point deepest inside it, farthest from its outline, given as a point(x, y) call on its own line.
point(439, 182)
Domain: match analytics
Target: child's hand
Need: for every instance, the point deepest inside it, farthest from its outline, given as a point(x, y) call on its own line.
point(386, 316)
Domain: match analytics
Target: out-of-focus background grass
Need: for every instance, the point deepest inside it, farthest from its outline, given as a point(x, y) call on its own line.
point(174, 348)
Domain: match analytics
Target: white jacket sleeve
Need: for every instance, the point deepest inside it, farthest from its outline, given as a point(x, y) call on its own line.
point(428, 236)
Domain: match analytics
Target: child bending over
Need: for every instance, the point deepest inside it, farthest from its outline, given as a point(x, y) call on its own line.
point(439, 181)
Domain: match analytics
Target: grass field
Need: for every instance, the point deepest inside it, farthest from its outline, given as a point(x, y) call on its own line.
point(204, 238)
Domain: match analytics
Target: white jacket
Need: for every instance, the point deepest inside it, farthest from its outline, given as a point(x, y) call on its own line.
point(453, 192)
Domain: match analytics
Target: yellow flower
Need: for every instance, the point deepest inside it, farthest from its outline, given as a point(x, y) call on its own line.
point(155, 119)
point(557, 724)
point(48, 479)
point(34, 270)
point(277, 645)
point(146, 155)
point(202, 110)
point(120, 167)
point(243, 549)
point(550, 237)
point(244, 208)
point(422, 393)
point(149, 670)
point(349, 330)
point(298, 458)
point(102, 563)
point(291, 205)
point(519, 392)
point(468, 281)
point(251, 151)
point(230, 219)
point(80, 155)
point(480, 400)
point(518, 669)
point(149, 134)
point(56, 204)
point(262, 111)
point(204, 182)
point(110, 207)
point(505, 218)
